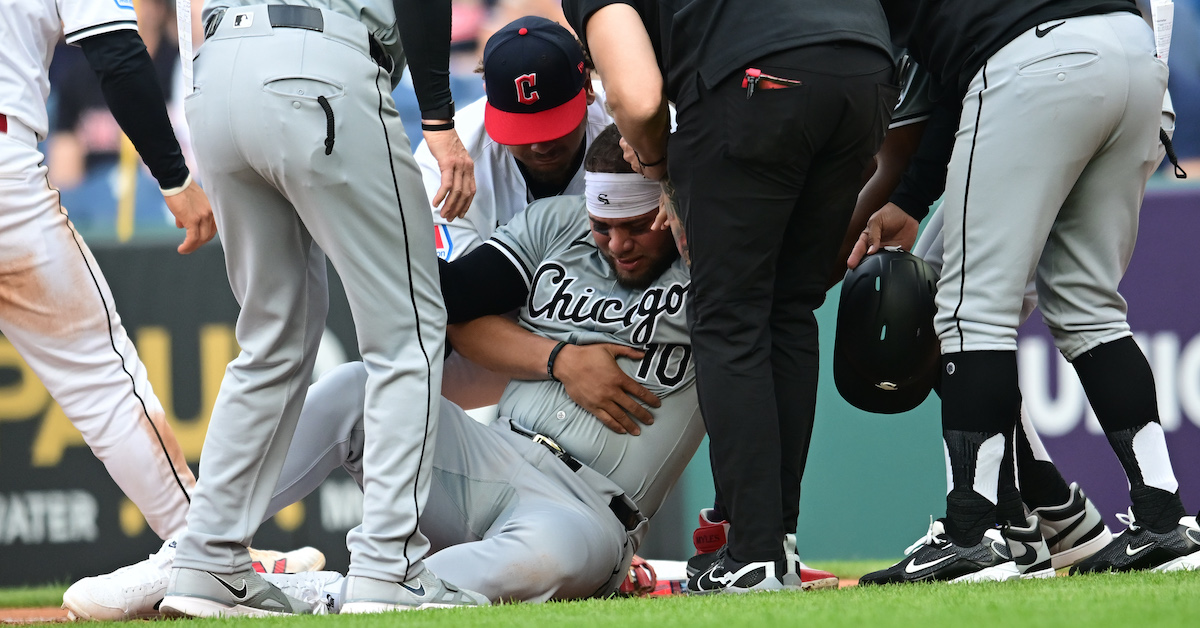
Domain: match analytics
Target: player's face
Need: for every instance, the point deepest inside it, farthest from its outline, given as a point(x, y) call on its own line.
point(550, 162)
point(638, 254)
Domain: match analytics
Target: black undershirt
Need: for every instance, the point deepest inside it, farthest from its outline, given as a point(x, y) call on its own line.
point(131, 90)
point(479, 283)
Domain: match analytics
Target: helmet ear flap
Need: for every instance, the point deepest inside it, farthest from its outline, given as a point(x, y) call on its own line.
point(886, 351)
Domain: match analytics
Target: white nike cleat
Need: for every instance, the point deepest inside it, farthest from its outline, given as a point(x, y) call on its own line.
point(131, 592)
point(321, 590)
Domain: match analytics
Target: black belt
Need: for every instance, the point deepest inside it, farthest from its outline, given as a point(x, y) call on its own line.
point(307, 18)
point(628, 515)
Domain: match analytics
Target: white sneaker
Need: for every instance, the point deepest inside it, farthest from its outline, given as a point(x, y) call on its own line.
point(320, 589)
point(295, 561)
point(132, 592)
point(135, 592)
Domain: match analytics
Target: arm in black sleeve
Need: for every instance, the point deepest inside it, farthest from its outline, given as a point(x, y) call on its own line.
point(479, 283)
point(131, 89)
point(425, 32)
point(925, 179)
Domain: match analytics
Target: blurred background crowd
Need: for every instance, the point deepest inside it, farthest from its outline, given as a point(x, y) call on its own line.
point(112, 197)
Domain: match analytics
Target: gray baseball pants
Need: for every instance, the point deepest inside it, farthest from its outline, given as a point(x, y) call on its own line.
point(1057, 138)
point(303, 154)
point(505, 518)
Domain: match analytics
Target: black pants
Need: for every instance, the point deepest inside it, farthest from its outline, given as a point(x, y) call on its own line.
point(766, 188)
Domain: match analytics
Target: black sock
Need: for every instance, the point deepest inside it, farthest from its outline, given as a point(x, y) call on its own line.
point(968, 516)
point(980, 401)
point(1120, 386)
point(1041, 483)
point(1153, 508)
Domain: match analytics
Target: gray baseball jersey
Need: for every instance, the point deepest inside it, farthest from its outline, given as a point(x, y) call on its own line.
point(487, 507)
point(574, 296)
point(304, 155)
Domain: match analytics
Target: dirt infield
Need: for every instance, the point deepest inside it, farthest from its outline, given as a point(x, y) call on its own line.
point(32, 615)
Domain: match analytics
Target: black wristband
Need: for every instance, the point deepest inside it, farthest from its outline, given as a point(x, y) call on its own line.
point(554, 354)
point(445, 126)
point(649, 165)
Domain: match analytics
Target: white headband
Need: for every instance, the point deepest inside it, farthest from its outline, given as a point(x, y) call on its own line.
point(625, 195)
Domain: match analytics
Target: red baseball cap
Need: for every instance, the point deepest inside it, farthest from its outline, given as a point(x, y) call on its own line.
point(534, 76)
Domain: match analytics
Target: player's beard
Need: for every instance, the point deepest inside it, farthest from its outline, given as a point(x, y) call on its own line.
point(646, 278)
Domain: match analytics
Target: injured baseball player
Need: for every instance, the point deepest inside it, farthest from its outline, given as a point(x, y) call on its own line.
point(551, 500)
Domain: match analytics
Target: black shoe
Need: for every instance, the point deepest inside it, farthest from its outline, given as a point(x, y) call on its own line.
point(701, 562)
point(738, 578)
point(935, 557)
point(1138, 548)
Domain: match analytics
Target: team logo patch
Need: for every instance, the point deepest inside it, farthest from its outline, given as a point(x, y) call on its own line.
point(526, 94)
point(243, 20)
point(441, 240)
point(123, 4)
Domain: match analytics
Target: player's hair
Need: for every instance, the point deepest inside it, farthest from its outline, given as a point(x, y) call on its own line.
point(605, 154)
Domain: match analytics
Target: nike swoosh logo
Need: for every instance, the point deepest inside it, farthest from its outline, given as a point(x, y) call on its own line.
point(1042, 33)
point(1132, 551)
point(237, 593)
point(419, 591)
point(914, 566)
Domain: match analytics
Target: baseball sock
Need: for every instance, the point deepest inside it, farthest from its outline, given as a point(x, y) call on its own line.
point(1041, 483)
point(1120, 386)
point(980, 403)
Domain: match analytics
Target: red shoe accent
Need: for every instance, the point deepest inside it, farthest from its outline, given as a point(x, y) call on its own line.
point(817, 579)
point(278, 566)
point(711, 535)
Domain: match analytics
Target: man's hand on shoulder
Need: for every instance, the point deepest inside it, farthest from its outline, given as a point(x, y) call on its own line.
point(592, 379)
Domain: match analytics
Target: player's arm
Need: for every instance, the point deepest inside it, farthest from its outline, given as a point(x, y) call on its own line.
point(589, 373)
point(624, 57)
point(480, 283)
point(891, 161)
point(425, 31)
point(895, 224)
point(131, 90)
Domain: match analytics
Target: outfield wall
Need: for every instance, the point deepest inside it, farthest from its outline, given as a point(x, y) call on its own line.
point(872, 481)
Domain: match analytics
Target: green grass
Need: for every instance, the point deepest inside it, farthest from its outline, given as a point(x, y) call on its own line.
point(48, 595)
point(1143, 599)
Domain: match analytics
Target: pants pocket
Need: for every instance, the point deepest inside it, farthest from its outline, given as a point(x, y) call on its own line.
point(1058, 61)
point(762, 126)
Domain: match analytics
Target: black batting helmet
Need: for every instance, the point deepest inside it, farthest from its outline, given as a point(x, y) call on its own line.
point(885, 356)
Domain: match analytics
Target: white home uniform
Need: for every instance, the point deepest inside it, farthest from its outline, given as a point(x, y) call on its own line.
point(501, 191)
point(55, 305)
point(505, 517)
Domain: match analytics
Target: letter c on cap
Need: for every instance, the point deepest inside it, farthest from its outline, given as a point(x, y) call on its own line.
point(526, 95)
